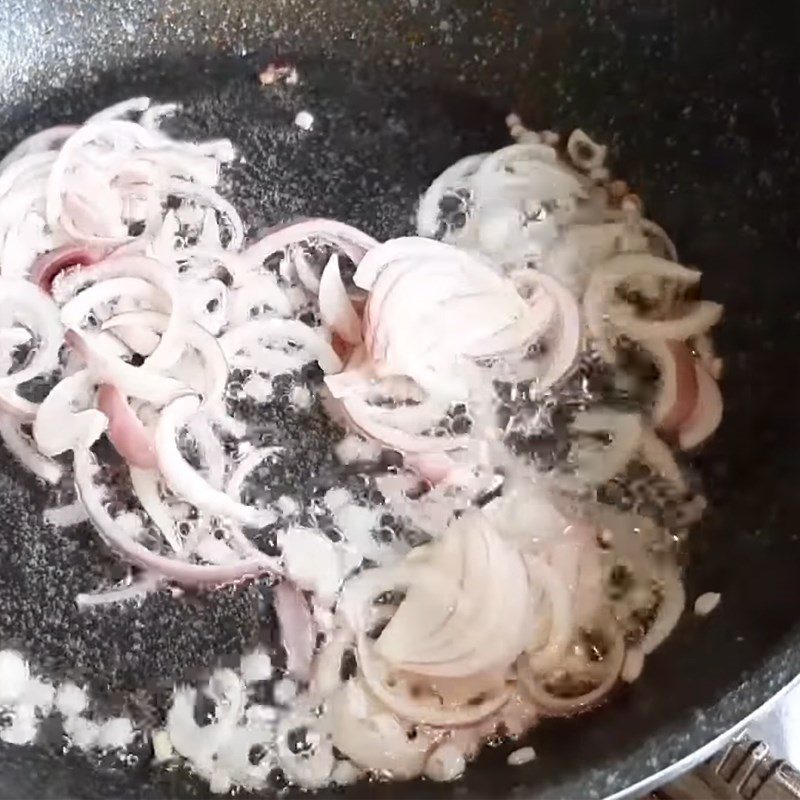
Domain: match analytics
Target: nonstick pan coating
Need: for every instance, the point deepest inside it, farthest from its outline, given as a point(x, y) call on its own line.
point(699, 103)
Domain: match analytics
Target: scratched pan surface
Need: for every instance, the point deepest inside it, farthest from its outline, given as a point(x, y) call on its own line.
point(698, 100)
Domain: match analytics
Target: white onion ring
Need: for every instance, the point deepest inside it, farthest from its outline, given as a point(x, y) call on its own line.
point(494, 696)
point(194, 336)
point(139, 382)
point(188, 484)
point(597, 465)
point(145, 483)
point(280, 331)
point(552, 705)
point(126, 265)
point(20, 446)
point(125, 430)
point(180, 572)
point(569, 329)
point(45, 141)
point(351, 241)
point(35, 307)
point(453, 176)
point(707, 414)
point(617, 271)
point(74, 311)
point(66, 418)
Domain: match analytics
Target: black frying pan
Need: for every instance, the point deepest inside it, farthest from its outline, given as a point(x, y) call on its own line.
point(699, 102)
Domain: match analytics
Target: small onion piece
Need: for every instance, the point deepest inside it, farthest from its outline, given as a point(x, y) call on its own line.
point(66, 516)
point(585, 154)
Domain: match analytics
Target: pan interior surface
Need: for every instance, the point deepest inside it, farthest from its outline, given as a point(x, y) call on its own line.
point(698, 107)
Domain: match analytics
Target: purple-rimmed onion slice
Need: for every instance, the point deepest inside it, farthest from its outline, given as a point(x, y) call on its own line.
point(135, 553)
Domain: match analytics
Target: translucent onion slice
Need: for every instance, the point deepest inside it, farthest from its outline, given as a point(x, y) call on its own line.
point(698, 319)
point(600, 304)
point(677, 389)
point(298, 631)
point(187, 483)
point(670, 609)
point(373, 737)
point(553, 611)
point(604, 674)
point(658, 456)
point(707, 413)
point(420, 335)
point(567, 332)
point(131, 551)
point(145, 483)
point(368, 420)
point(335, 306)
point(466, 641)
